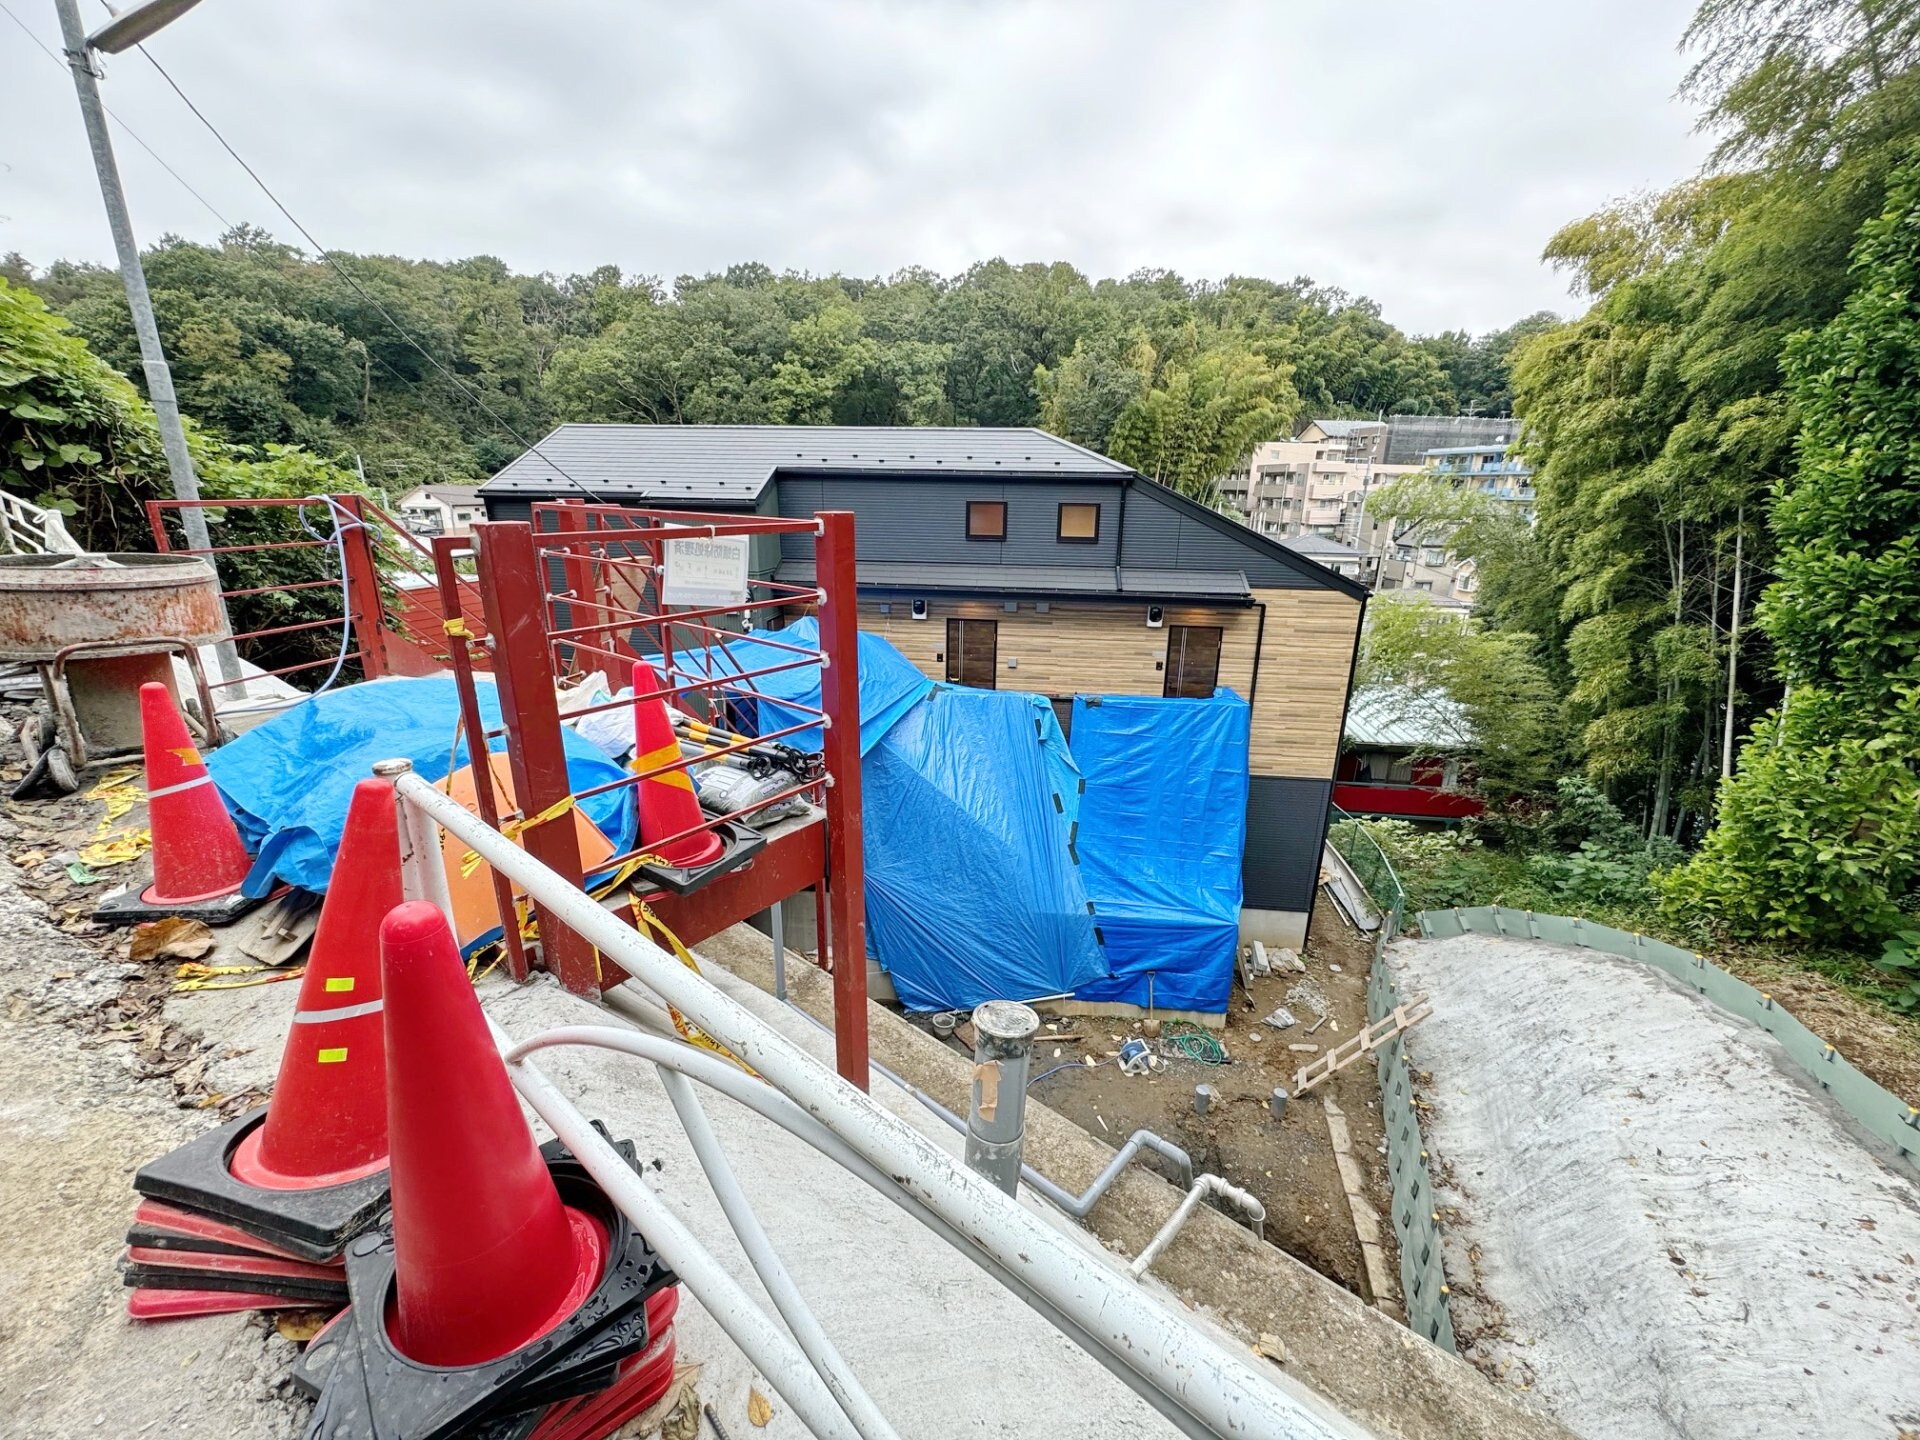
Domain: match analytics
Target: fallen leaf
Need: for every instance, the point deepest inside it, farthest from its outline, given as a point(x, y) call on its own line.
point(759, 1408)
point(300, 1326)
point(1271, 1347)
point(175, 937)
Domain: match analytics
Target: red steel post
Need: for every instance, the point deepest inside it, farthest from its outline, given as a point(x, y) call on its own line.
point(447, 575)
point(513, 590)
point(846, 870)
point(363, 588)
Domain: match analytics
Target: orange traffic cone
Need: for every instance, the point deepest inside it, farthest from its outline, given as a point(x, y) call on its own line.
point(327, 1123)
point(668, 804)
point(486, 1256)
point(197, 854)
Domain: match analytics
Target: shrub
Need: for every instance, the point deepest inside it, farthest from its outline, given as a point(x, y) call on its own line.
point(1819, 830)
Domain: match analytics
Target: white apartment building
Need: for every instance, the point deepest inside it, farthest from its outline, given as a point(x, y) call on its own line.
point(1316, 484)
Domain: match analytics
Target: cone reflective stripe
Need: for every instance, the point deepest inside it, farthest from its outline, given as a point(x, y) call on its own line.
point(327, 1122)
point(486, 1256)
point(197, 854)
point(668, 804)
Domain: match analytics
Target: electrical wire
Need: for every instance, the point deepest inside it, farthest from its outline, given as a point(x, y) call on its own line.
point(131, 133)
point(338, 539)
point(331, 261)
point(1070, 1065)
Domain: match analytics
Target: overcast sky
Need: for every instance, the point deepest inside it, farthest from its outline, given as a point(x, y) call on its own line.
point(1416, 151)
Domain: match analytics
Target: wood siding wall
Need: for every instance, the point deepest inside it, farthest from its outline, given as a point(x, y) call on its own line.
point(1096, 649)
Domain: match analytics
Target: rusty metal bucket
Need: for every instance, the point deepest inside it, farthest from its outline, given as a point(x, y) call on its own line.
point(97, 627)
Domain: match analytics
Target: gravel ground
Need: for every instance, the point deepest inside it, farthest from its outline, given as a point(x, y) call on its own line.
point(1655, 1223)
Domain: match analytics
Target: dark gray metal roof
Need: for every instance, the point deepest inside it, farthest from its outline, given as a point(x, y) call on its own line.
point(1319, 545)
point(731, 464)
point(1086, 580)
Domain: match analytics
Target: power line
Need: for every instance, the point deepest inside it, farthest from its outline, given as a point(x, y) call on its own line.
point(328, 259)
point(130, 132)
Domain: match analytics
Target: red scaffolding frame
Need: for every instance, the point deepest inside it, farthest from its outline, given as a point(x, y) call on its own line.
point(571, 592)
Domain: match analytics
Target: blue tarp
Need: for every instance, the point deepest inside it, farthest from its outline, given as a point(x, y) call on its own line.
point(1162, 827)
point(889, 683)
point(288, 782)
point(972, 890)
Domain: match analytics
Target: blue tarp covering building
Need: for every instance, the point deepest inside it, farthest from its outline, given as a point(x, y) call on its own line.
point(973, 892)
point(889, 683)
point(1162, 825)
point(288, 782)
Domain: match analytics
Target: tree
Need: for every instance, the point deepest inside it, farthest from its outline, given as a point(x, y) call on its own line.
point(1201, 418)
point(1427, 661)
point(1425, 509)
point(1818, 830)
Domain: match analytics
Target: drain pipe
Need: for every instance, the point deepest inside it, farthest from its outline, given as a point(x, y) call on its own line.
point(1002, 1057)
point(1205, 1185)
point(1078, 1206)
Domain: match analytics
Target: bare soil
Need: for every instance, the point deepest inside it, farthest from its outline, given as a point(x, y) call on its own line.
point(1883, 1046)
point(1287, 1164)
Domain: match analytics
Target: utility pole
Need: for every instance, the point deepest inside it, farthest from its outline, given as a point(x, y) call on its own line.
point(153, 360)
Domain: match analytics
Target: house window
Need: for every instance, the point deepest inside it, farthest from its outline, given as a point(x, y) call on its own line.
point(986, 519)
point(1079, 524)
point(973, 648)
point(1423, 585)
point(1193, 661)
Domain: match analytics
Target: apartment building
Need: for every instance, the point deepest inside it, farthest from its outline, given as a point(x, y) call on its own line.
point(1316, 485)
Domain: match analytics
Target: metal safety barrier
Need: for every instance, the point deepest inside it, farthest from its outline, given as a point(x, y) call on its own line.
point(1203, 1388)
point(1416, 1223)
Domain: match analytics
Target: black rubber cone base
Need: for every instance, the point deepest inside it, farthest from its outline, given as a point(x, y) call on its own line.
point(314, 1224)
point(125, 907)
point(317, 1293)
point(743, 843)
point(370, 1391)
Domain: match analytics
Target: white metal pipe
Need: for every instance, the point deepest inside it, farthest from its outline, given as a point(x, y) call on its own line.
point(1204, 1185)
point(770, 1103)
point(746, 1323)
point(1217, 1386)
point(827, 1361)
point(423, 870)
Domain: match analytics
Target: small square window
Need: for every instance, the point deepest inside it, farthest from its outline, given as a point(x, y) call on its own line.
point(986, 519)
point(1079, 524)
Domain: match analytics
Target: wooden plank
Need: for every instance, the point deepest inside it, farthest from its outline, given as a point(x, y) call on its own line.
point(1397, 1021)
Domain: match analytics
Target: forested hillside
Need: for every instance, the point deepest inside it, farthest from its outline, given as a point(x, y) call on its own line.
point(269, 345)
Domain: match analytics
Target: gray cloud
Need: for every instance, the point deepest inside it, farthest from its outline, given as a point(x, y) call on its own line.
point(1415, 151)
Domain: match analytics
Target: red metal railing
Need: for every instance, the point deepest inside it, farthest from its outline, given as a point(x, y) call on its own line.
point(380, 565)
point(576, 591)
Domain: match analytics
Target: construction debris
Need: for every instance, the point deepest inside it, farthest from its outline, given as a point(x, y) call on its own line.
point(1402, 1018)
point(1281, 1019)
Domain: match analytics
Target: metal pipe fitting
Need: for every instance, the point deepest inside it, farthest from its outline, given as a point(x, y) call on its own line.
point(997, 1121)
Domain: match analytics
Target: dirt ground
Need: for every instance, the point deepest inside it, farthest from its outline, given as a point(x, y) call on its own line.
point(1288, 1165)
point(1883, 1047)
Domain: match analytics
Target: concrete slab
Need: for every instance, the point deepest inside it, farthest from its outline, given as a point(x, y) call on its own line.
point(1654, 1219)
point(1373, 1370)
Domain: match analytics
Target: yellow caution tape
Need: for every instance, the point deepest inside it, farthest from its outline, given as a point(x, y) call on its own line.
point(457, 628)
point(514, 829)
point(118, 850)
point(194, 976)
point(689, 1032)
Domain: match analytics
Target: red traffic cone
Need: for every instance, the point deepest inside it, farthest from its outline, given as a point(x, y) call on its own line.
point(327, 1123)
point(486, 1257)
point(668, 804)
point(145, 1303)
point(197, 854)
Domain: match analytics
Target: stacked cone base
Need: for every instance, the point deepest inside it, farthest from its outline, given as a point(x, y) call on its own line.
point(312, 1224)
point(150, 1304)
point(606, 1360)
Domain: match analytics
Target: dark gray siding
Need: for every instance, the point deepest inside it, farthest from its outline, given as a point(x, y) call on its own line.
point(1161, 537)
point(925, 521)
point(508, 507)
point(1285, 821)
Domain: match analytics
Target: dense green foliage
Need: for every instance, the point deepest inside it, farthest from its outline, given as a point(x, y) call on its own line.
point(1819, 832)
point(75, 436)
point(1181, 379)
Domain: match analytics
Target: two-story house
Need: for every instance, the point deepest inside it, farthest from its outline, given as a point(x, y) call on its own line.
point(1009, 558)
